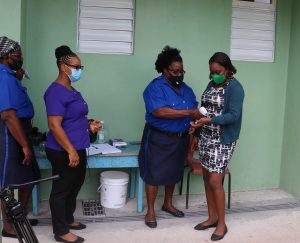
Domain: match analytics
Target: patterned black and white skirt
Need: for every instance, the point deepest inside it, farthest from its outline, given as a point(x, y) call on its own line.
point(214, 156)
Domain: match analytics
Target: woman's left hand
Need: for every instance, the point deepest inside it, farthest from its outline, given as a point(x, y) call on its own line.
point(95, 126)
point(192, 130)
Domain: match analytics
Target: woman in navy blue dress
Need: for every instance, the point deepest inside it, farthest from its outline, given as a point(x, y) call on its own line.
point(17, 161)
point(170, 107)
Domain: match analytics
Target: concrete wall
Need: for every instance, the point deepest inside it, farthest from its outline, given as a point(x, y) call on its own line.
point(113, 84)
point(290, 166)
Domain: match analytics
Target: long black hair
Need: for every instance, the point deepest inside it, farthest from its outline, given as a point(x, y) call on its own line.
point(167, 56)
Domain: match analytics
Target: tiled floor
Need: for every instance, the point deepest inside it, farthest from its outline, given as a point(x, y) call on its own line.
point(255, 216)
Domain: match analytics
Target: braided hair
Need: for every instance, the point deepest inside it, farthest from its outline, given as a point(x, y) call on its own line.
point(63, 55)
point(167, 56)
point(224, 60)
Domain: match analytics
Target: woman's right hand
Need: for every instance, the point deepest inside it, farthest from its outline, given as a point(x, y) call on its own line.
point(193, 146)
point(27, 155)
point(195, 114)
point(73, 158)
point(54, 124)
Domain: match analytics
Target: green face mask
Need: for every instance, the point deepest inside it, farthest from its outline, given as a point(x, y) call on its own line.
point(218, 78)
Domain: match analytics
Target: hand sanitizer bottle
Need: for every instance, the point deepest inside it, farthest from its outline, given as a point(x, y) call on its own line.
point(203, 111)
point(102, 134)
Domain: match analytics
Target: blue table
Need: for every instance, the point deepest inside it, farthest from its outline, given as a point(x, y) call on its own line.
point(126, 159)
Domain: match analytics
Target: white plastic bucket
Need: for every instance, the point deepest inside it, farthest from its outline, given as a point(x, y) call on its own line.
point(113, 188)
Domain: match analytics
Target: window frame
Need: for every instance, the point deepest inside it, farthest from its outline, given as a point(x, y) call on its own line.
point(239, 53)
point(240, 3)
point(109, 53)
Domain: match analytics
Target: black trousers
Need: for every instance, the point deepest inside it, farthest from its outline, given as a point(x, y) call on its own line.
point(65, 190)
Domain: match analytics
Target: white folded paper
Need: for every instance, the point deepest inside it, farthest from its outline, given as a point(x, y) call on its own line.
point(102, 148)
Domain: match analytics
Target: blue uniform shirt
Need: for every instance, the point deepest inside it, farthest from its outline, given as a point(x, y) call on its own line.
point(159, 93)
point(13, 95)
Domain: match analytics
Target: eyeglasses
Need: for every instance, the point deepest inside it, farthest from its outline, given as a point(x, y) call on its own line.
point(15, 55)
point(75, 66)
point(177, 72)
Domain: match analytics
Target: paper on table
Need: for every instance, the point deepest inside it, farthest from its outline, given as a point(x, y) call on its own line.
point(102, 148)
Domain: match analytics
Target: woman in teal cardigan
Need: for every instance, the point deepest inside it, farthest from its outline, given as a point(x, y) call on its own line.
point(218, 132)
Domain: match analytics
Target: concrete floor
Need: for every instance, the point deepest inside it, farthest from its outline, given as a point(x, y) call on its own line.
point(255, 216)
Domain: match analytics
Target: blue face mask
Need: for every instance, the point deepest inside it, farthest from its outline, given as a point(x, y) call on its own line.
point(75, 75)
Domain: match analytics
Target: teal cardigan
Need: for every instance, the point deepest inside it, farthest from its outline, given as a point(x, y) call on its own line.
point(231, 118)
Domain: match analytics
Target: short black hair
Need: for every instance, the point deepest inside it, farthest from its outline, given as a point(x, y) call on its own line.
point(63, 54)
point(167, 56)
point(224, 60)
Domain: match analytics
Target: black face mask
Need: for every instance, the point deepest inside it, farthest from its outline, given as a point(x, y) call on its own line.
point(16, 65)
point(175, 80)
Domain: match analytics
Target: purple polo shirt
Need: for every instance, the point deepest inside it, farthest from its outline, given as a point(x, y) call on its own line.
point(60, 101)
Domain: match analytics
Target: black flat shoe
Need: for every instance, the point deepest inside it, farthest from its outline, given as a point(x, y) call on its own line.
point(151, 223)
point(177, 213)
point(215, 237)
point(33, 222)
point(77, 227)
point(204, 227)
point(59, 239)
point(6, 234)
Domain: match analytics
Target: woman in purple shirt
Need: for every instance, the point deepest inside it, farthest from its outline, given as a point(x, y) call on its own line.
point(66, 143)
